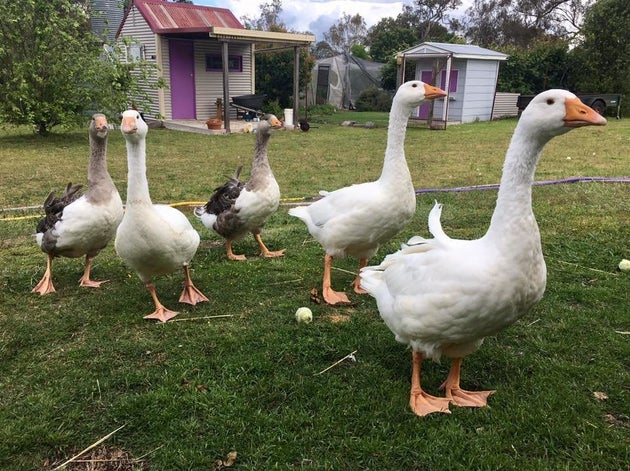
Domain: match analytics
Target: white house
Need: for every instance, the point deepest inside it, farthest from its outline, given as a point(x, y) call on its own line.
point(202, 54)
point(466, 72)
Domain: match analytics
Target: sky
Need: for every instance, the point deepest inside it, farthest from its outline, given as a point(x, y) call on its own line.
point(316, 16)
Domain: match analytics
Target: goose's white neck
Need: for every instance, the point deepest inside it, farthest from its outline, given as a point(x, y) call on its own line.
point(513, 212)
point(395, 169)
point(137, 183)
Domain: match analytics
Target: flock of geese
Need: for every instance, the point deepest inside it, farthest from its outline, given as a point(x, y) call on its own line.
point(439, 296)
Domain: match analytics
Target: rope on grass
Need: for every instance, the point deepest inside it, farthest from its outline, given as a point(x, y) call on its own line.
point(457, 189)
point(494, 186)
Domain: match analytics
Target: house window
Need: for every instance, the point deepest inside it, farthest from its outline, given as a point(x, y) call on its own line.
point(214, 63)
point(135, 52)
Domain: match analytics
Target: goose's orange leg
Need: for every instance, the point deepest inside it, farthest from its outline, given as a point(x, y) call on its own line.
point(190, 294)
point(85, 279)
point(331, 296)
point(458, 396)
point(356, 284)
point(161, 313)
point(45, 285)
point(231, 255)
point(264, 251)
point(420, 402)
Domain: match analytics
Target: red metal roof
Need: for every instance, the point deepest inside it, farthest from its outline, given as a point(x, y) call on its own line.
point(167, 17)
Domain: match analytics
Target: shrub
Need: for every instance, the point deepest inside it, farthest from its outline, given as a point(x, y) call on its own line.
point(273, 107)
point(374, 99)
point(324, 109)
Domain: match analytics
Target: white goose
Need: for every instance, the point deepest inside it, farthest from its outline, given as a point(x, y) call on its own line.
point(77, 225)
point(237, 208)
point(442, 296)
point(153, 239)
point(357, 219)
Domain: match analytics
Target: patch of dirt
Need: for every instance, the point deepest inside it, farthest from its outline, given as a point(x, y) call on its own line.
point(337, 318)
point(102, 459)
point(619, 420)
point(209, 244)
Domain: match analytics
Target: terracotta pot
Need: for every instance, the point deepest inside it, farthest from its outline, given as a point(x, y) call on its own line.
point(214, 123)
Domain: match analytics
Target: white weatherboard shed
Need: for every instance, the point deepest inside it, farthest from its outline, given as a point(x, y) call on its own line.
point(466, 72)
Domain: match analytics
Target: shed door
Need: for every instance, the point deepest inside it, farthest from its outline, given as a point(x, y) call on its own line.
point(321, 94)
point(423, 112)
point(182, 62)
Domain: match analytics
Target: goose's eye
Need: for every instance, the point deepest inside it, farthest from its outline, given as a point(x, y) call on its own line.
point(414, 85)
point(550, 101)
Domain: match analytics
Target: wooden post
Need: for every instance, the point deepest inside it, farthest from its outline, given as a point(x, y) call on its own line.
point(447, 86)
point(296, 82)
point(226, 85)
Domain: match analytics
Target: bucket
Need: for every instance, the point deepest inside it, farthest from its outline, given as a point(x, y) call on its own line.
point(288, 118)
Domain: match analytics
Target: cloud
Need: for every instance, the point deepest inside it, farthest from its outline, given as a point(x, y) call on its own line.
point(315, 16)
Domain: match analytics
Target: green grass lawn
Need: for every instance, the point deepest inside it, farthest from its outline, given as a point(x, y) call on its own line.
point(77, 364)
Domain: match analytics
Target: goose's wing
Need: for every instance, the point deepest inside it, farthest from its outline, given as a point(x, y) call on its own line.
point(433, 293)
point(430, 294)
point(342, 202)
point(426, 267)
point(172, 218)
point(178, 236)
point(54, 206)
point(224, 196)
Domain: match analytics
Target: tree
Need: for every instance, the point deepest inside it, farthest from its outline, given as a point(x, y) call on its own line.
point(269, 19)
point(424, 15)
point(322, 50)
point(388, 37)
point(347, 32)
point(358, 50)
point(274, 75)
point(53, 69)
point(415, 24)
point(274, 69)
point(521, 23)
point(601, 61)
point(540, 67)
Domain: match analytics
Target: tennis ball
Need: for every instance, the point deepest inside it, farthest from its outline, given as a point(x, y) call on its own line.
point(624, 265)
point(304, 315)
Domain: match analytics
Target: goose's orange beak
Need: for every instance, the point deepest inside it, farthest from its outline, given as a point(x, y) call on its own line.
point(128, 125)
point(431, 92)
point(577, 114)
point(275, 122)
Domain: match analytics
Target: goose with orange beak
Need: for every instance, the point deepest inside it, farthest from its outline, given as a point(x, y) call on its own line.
point(443, 296)
point(356, 220)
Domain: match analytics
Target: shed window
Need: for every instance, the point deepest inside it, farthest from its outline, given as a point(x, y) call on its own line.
point(214, 63)
point(452, 84)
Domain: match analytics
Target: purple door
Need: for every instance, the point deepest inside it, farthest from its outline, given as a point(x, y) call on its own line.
point(182, 79)
point(423, 112)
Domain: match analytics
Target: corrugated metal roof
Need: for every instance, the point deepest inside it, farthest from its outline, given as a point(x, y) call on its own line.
point(458, 50)
point(167, 17)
